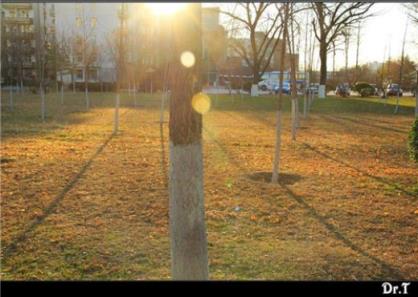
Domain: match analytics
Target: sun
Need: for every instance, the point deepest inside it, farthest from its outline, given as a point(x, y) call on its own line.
point(166, 8)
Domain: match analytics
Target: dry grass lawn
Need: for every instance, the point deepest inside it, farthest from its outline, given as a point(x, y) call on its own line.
point(79, 203)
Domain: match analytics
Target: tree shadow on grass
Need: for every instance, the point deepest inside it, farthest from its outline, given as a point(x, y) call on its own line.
point(341, 119)
point(265, 176)
point(335, 105)
point(389, 270)
point(376, 178)
point(12, 247)
point(25, 119)
point(222, 147)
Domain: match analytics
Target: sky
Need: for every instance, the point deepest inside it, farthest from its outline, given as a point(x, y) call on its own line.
point(380, 34)
point(383, 31)
point(386, 30)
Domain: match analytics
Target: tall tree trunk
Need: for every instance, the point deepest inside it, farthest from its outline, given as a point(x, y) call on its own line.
point(135, 103)
point(401, 68)
point(186, 208)
point(294, 95)
point(323, 58)
point(346, 51)
point(276, 157)
point(86, 88)
point(72, 78)
point(358, 52)
point(11, 105)
point(62, 87)
point(256, 78)
point(43, 105)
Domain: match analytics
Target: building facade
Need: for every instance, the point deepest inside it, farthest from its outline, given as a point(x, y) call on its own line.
point(149, 36)
point(27, 39)
point(241, 67)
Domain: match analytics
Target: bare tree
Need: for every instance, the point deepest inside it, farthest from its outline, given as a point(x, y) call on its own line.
point(412, 11)
point(358, 48)
point(41, 54)
point(86, 40)
point(401, 67)
point(330, 21)
point(276, 158)
point(257, 21)
point(63, 57)
point(347, 35)
point(293, 67)
point(186, 208)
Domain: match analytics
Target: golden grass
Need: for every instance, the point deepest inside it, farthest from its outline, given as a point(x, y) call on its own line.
point(346, 210)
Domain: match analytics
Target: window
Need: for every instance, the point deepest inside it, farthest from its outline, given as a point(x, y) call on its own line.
point(79, 74)
point(93, 74)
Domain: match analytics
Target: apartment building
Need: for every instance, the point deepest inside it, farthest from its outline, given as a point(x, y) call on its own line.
point(27, 39)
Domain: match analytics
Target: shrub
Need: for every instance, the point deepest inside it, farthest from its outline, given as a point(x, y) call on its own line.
point(413, 141)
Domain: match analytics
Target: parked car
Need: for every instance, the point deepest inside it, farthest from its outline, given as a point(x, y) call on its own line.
point(393, 90)
point(343, 90)
point(286, 89)
point(376, 91)
point(365, 89)
point(264, 85)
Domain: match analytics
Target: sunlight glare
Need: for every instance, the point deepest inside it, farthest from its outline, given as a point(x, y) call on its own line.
point(187, 59)
point(201, 103)
point(166, 8)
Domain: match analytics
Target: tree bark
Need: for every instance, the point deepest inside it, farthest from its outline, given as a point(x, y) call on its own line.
point(62, 87)
point(294, 94)
point(11, 105)
point(86, 89)
point(276, 157)
point(323, 58)
point(116, 120)
point(62, 94)
point(186, 208)
point(43, 107)
point(72, 79)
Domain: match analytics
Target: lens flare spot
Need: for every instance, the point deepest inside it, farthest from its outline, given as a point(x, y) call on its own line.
point(187, 59)
point(201, 103)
